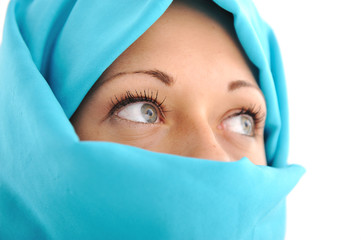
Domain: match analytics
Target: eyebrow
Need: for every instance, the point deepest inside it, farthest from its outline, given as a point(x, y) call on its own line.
point(169, 81)
point(157, 74)
point(234, 85)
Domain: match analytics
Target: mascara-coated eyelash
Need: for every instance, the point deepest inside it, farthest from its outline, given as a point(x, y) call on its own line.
point(255, 112)
point(141, 96)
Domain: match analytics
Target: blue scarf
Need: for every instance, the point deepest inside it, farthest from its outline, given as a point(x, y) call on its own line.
point(53, 186)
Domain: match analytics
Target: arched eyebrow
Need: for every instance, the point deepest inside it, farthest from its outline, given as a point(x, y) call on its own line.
point(162, 76)
point(168, 80)
point(241, 83)
point(157, 74)
point(237, 84)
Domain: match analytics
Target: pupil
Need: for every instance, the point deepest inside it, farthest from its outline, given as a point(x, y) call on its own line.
point(246, 124)
point(150, 112)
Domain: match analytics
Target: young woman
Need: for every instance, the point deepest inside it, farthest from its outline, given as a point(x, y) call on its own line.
point(142, 119)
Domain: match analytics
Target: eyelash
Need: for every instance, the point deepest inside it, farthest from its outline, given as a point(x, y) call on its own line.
point(255, 112)
point(141, 96)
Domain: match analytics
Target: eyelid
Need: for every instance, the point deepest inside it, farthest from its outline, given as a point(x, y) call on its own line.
point(136, 97)
point(133, 113)
point(257, 113)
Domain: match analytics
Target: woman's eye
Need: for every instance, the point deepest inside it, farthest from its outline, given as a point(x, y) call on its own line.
point(242, 124)
point(142, 112)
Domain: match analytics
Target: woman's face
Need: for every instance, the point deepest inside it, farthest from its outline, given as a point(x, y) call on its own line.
point(184, 87)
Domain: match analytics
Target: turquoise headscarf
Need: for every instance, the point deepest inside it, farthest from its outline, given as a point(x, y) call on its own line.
point(53, 186)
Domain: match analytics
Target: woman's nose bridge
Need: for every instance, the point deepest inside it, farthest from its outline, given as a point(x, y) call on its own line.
point(201, 142)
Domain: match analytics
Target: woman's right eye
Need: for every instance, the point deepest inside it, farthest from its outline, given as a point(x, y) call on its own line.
point(142, 112)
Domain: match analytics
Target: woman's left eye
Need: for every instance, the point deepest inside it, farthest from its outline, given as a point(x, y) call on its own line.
point(241, 123)
point(143, 112)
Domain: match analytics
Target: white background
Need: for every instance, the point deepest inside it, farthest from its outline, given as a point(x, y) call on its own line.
point(321, 47)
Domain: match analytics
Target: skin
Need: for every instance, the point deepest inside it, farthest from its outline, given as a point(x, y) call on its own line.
point(209, 82)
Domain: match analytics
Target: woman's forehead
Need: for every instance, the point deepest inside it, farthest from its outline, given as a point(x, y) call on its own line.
point(186, 39)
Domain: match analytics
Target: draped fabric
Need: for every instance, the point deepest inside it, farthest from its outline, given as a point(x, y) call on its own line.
point(53, 186)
